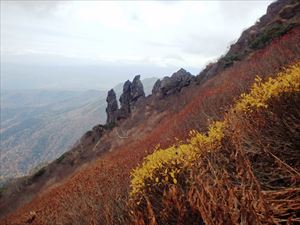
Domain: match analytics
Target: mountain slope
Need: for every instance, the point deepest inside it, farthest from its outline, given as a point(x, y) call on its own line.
point(252, 154)
point(97, 192)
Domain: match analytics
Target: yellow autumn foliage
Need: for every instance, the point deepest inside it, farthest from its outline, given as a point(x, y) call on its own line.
point(261, 92)
point(164, 165)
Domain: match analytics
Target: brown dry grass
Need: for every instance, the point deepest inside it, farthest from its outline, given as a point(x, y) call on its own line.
point(98, 194)
point(253, 178)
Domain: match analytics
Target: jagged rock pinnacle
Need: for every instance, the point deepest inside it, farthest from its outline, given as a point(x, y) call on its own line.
point(137, 89)
point(112, 107)
point(125, 99)
point(132, 92)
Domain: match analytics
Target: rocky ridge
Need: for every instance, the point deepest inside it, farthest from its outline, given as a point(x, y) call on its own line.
point(173, 84)
point(281, 17)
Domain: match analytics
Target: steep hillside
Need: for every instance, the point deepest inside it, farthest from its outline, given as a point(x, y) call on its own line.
point(91, 183)
point(281, 17)
point(244, 170)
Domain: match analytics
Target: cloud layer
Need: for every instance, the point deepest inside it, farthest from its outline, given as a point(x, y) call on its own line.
point(155, 37)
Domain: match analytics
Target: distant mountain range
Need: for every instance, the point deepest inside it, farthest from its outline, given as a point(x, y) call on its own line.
point(37, 126)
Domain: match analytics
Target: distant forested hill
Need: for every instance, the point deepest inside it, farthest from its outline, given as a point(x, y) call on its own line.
point(38, 126)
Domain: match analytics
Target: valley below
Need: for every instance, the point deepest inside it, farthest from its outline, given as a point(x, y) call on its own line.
point(37, 126)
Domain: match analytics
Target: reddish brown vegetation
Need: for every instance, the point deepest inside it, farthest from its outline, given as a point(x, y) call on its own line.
point(251, 178)
point(96, 194)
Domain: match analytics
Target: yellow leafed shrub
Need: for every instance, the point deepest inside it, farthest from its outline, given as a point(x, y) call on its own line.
point(261, 92)
point(164, 165)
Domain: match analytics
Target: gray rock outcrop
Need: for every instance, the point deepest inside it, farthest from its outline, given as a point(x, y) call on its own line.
point(173, 84)
point(112, 107)
point(132, 92)
point(125, 100)
point(156, 87)
point(137, 89)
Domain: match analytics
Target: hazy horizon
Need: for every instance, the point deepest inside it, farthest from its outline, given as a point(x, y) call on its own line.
point(72, 89)
point(95, 45)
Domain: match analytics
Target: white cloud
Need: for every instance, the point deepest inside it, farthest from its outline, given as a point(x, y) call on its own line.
point(177, 34)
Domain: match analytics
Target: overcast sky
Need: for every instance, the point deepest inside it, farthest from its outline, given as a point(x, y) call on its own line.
point(97, 44)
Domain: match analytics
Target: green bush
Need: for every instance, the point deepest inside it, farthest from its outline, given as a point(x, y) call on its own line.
point(2, 190)
point(268, 34)
point(228, 59)
point(60, 159)
point(110, 126)
point(39, 173)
